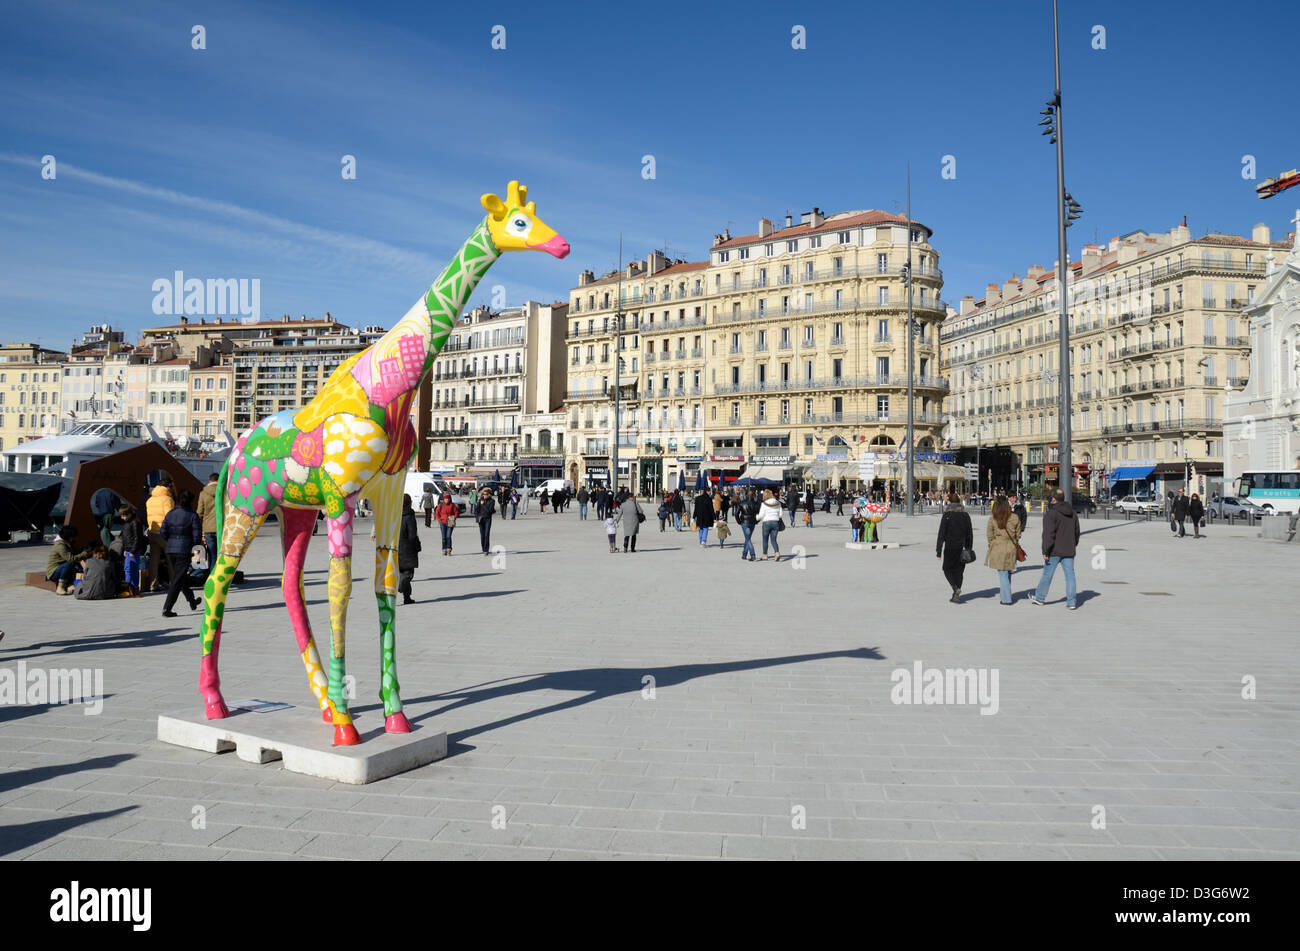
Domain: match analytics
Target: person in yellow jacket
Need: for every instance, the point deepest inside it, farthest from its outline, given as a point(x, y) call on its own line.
point(160, 503)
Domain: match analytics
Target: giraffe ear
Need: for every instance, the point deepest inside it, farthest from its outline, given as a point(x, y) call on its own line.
point(495, 206)
point(531, 208)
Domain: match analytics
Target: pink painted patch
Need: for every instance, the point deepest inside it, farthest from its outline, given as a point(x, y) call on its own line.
point(276, 490)
point(271, 464)
point(259, 504)
point(255, 474)
point(309, 448)
point(239, 463)
point(244, 486)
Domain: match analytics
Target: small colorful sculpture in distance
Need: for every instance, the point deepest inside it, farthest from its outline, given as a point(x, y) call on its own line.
point(874, 513)
point(354, 438)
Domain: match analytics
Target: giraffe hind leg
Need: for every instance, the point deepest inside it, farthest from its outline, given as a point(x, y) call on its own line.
point(238, 530)
point(386, 493)
point(295, 535)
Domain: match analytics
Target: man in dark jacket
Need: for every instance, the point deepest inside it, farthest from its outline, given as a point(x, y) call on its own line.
point(703, 516)
point(1181, 506)
point(181, 531)
point(678, 508)
point(408, 550)
point(1196, 511)
point(746, 510)
point(1060, 541)
point(1018, 509)
point(955, 536)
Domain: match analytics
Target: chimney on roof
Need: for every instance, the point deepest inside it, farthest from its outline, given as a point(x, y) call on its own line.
point(1035, 272)
point(789, 221)
point(1260, 233)
point(993, 294)
point(184, 320)
point(817, 217)
point(717, 240)
point(633, 268)
point(1009, 288)
point(967, 304)
point(764, 227)
point(1091, 258)
point(655, 263)
point(585, 277)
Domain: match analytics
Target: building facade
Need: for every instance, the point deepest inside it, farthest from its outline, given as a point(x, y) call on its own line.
point(782, 356)
point(212, 401)
point(1157, 331)
point(495, 368)
point(1263, 428)
point(31, 393)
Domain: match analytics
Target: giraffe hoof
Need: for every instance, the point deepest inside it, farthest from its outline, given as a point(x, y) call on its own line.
point(397, 723)
point(326, 716)
point(216, 709)
point(345, 734)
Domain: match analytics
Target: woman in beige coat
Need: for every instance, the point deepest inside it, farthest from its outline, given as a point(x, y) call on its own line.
point(1003, 534)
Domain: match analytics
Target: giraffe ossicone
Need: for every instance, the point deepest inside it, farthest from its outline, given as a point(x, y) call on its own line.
point(352, 441)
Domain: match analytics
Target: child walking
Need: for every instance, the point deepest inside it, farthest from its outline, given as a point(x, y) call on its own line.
point(611, 530)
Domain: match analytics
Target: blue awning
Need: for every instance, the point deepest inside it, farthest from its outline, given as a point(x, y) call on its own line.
point(1131, 472)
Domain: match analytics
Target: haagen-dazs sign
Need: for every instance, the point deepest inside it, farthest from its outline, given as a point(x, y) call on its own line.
point(727, 457)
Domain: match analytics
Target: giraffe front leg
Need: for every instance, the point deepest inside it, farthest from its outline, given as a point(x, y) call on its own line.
point(340, 590)
point(387, 498)
point(239, 528)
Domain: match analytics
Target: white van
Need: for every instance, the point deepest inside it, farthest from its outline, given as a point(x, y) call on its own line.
point(418, 482)
point(550, 485)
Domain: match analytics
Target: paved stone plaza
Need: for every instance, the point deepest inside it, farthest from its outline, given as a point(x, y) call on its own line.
point(771, 732)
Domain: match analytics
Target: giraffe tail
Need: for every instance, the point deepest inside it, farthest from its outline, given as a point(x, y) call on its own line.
point(221, 499)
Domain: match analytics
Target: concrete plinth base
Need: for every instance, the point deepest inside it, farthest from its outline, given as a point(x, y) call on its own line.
point(871, 546)
point(297, 737)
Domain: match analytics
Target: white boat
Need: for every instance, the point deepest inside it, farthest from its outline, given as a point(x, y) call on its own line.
point(94, 438)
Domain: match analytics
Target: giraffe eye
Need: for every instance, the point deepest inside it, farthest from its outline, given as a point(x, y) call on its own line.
point(520, 223)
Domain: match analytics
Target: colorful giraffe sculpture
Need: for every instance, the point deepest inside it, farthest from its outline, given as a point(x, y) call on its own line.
point(355, 438)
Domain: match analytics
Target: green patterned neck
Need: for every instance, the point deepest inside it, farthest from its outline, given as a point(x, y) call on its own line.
point(450, 292)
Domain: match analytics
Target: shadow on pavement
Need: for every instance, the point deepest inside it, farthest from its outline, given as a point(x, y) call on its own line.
point(16, 778)
point(597, 683)
point(476, 594)
point(14, 838)
point(10, 712)
point(95, 642)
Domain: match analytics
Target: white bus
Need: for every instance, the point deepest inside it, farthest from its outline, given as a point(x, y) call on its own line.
point(1277, 491)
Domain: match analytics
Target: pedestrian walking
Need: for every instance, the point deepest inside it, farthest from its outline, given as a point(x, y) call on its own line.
point(792, 502)
point(427, 504)
point(809, 506)
point(543, 497)
point(1003, 536)
point(1181, 506)
point(446, 513)
point(207, 513)
point(160, 503)
point(678, 508)
point(746, 513)
point(955, 539)
point(1018, 509)
point(408, 549)
point(134, 543)
point(1196, 511)
point(726, 505)
point(663, 514)
point(630, 517)
point(769, 517)
point(826, 500)
point(611, 532)
point(181, 530)
point(483, 515)
point(1060, 540)
point(584, 497)
point(703, 516)
point(514, 503)
point(840, 498)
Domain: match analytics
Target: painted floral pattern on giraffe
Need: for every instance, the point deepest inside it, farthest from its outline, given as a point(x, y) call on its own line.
point(353, 438)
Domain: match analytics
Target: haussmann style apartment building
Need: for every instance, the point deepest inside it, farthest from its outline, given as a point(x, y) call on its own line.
point(783, 356)
point(1157, 339)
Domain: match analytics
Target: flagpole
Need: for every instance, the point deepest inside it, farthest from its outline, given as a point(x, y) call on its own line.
point(911, 414)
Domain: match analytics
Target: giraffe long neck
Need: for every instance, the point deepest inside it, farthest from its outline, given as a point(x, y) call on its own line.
point(450, 292)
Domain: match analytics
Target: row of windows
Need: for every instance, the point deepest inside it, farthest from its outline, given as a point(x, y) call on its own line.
point(46, 399)
point(812, 242)
point(43, 377)
point(44, 421)
point(207, 406)
point(208, 385)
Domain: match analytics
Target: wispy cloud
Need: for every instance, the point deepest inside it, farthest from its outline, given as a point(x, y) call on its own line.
point(351, 247)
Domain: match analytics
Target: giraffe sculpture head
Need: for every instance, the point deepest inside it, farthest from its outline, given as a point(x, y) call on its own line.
point(514, 224)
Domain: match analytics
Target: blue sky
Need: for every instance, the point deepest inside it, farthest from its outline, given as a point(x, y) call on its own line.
point(225, 162)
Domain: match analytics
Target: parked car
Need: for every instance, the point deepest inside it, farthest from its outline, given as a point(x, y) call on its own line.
point(1138, 504)
point(1083, 503)
point(417, 482)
